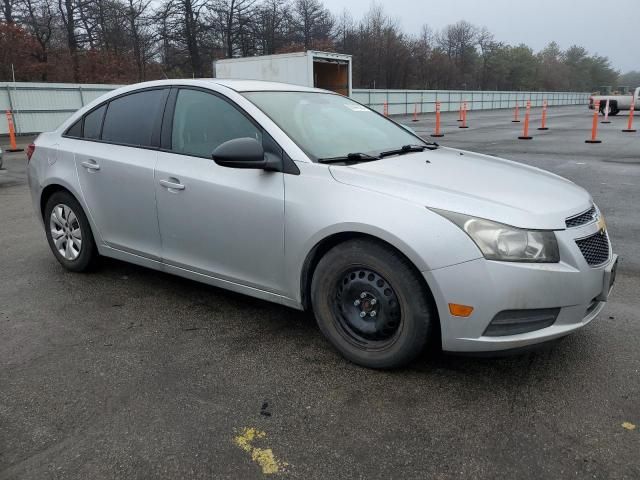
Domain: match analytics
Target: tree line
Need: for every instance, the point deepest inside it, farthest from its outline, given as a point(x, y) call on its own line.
point(124, 41)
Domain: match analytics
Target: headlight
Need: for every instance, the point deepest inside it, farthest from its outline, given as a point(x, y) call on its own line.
point(501, 242)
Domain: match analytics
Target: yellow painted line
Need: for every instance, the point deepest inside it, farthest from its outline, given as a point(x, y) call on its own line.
point(262, 456)
point(628, 425)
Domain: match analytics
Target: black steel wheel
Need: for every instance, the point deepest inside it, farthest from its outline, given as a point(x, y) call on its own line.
point(371, 304)
point(367, 308)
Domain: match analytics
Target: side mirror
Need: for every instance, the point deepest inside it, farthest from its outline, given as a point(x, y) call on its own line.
point(246, 152)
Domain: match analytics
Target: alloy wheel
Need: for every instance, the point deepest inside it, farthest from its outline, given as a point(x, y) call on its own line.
point(65, 231)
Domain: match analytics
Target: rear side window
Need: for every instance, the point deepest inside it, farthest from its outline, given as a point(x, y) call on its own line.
point(202, 121)
point(75, 130)
point(93, 123)
point(130, 119)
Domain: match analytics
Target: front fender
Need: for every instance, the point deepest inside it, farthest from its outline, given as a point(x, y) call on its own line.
point(317, 207)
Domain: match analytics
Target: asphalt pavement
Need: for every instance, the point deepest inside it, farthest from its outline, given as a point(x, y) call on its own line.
point(130, 373)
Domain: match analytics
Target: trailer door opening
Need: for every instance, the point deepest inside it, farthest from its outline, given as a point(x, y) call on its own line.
point(331, 74)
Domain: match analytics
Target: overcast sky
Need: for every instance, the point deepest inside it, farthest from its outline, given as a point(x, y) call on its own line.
point(607, 28)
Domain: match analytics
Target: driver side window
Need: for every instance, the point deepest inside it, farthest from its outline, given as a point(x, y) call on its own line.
point(202, 121)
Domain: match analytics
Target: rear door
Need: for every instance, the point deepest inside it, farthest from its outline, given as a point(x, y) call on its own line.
point(223, 222)
point(115, 160)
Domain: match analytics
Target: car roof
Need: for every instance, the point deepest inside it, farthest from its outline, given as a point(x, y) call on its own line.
point(238, 85)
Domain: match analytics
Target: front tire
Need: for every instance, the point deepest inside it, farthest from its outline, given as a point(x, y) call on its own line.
point(68, 232)
point(372, 305)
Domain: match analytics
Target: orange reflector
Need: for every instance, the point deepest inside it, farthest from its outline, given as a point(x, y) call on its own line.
point(460, 310)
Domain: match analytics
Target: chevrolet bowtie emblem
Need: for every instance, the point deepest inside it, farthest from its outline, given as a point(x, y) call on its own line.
point(602, 225)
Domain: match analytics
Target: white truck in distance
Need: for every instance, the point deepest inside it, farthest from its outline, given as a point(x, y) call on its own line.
point(327, 70)
point(616, 102)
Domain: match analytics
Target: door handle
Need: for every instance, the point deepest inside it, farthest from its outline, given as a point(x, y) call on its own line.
point(91, 165)
point(172, 185)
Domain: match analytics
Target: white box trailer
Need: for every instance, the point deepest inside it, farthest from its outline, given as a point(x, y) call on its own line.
point(331, 71)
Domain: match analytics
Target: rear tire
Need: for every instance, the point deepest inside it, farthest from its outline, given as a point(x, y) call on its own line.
point(372, 305)
point(69, 233)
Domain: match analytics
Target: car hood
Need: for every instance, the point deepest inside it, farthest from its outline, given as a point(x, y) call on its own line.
point(474, 184)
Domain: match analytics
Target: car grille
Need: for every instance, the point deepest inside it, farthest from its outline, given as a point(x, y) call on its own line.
point(595, 248)
point(586, 217)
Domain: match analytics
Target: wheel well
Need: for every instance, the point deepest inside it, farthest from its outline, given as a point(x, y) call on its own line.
point(47, 192)
point(326, 244)
point(322, 247)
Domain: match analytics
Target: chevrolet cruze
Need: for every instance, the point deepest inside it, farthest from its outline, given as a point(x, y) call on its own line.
point(306, 198)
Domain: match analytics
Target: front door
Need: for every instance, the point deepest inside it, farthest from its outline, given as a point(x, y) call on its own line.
point(223, 222)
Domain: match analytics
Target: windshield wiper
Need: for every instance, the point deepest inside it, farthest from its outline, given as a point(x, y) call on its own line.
point(349, 157)
point(409, 148)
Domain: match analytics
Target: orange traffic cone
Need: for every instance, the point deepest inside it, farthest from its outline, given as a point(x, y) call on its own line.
point(437, 132)
point(464, 116)
point(525, 134)
point(13, 147)
point(543, 126)
point(516, 114)
point(594, 125)
point(630, 128)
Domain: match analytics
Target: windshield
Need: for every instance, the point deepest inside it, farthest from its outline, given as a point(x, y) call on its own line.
point(325, 125)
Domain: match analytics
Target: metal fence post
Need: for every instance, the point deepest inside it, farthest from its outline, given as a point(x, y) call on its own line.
point(81, 95)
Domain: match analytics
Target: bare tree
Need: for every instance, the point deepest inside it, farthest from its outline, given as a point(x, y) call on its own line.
point(182, 22)
point(313, 22)
point(344, 30)
point(458, 41)
point(137, 21)
point(39, 18)
point(235, 19)
point(6, 7)
point(422, 49)
point(272, 25)
point(68, 13)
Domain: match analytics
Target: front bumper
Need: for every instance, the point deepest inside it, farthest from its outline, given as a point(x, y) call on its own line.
point(491, 287)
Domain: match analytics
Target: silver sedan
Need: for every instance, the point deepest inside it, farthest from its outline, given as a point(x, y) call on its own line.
point(309, 199)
